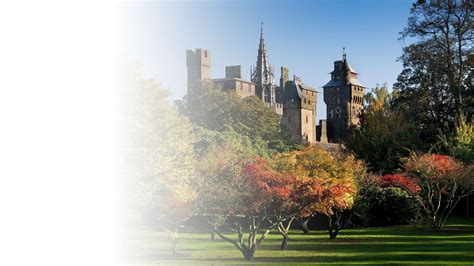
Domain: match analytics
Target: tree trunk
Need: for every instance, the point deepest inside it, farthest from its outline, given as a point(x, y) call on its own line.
point(213, 235)
point(174, 245)
point(284, 242)
point(304, 225)
point(249, 253)
point(435, 223)
point(333, 234)
point(335, 224)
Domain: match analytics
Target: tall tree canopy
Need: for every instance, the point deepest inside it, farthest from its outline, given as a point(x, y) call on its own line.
point(384, 135)
point(434, 84)
point(211, 107)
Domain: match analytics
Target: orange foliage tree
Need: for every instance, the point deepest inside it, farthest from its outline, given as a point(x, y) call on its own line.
point(334, 176)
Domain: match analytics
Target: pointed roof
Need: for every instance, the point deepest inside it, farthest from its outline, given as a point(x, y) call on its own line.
point(344, 79)
point(263, 73)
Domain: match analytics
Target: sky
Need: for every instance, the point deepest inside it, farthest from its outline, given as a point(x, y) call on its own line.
point(305, 36)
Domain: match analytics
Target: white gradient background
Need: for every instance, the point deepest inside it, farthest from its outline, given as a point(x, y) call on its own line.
point(57, 135)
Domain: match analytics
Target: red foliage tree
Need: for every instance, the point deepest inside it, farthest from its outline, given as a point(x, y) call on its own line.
point(398, 180)
point(255, 197)
point(444, 182)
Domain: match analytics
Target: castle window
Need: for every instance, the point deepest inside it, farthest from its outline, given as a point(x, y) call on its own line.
point(306, 119)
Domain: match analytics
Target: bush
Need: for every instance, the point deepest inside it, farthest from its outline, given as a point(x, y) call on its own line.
point(377, 206)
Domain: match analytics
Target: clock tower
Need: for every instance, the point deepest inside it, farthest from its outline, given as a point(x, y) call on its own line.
point(344, 98)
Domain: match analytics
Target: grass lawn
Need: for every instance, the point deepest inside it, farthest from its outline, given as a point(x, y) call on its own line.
point(387, 245)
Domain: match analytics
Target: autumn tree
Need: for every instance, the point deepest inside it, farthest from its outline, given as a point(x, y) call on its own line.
point(305, 193)
point(214, 151)
point(385, 135)
point(434, 85)
point(335, 173)
point(444, 182)
point(156, 156)
point(248, 193)
point(344, 186)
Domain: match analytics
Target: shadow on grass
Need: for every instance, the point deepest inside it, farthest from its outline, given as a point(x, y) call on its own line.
point(403, 244)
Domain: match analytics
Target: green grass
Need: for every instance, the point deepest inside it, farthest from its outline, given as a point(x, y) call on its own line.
point(387, 245)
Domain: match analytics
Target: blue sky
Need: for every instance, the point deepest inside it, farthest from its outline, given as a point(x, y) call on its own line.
point(306, 36)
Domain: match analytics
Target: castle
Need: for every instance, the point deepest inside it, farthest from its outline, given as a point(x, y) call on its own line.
point(293, 100)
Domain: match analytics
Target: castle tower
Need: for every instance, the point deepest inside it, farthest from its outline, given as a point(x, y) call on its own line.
point(198, 63)
point(283, 79)
point(344, 98)
point(262, 75)
point(299, 112)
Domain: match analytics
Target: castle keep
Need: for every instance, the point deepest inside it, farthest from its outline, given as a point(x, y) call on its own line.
point(294, 101)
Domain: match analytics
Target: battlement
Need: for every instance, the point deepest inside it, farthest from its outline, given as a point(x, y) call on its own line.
point(233, 72)
point(277, 108)
point(198, 57)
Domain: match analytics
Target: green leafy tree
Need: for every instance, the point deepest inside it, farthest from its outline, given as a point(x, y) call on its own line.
point(434, 84)
point(156, 158)
point(385, 135)
point(387, 200)
point(460, 144)
point(211, 107)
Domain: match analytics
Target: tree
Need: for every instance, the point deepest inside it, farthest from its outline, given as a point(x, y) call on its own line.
point(156, 160)
point(434, 84)
point(215, 151)
point(249, 193)
point(211, 107)
point(460, 144)
point(385, 135)
point(343, 190)
point(400, 181)
point(335, 180)
point(387, 200)
point(444, 183)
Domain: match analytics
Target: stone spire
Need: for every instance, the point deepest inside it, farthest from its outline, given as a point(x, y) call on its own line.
point(262, 74)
